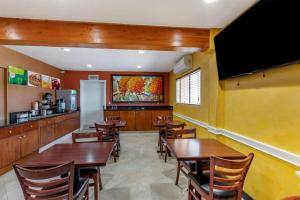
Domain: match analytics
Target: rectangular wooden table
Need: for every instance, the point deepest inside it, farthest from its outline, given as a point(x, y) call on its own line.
point(118, 124)
point(83, 154)
point(200, 149)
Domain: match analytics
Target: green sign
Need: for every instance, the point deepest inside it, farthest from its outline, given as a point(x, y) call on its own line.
point(17, 76)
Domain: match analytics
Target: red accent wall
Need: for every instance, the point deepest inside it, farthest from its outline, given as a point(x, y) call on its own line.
point(71, 80)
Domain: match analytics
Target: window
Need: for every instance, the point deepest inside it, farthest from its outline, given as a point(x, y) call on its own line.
point(188, 89)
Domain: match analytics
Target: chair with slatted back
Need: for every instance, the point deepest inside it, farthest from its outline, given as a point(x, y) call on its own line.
point(51, 182)
point(226, 180)
point(90, 172)
point(188, 166)
point(161, 131)
point(115, 119)
point(108, 132)
point(170, 133)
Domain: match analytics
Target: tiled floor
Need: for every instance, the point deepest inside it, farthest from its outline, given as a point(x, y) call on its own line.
point(139, 174)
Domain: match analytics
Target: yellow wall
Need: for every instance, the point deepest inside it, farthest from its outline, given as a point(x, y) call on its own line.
point(263, 108)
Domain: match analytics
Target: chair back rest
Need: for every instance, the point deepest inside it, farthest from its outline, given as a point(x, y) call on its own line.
point(86, 137)
point(106, 129)
point(186, 133)
point(113, 118)
point(46, 182)
point(173, 128)
point(163, 118)
point(228, 174)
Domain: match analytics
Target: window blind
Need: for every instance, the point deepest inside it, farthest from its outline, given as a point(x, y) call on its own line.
point(195, 87)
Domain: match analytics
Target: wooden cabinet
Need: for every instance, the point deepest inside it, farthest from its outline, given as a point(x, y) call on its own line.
point(10, 150)
point(46, 135)
point(29, 142)
point(143, 120)
point(111, 113)
point(129, 117)
point(22, 140)
point(138, 120)
point(15, 147)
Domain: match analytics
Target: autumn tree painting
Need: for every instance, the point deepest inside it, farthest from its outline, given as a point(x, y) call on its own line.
point(137, 88)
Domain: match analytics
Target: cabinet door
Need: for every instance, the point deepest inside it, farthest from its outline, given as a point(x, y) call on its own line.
point(10, 150)
point(46, 135)
point(29, 142)
point(129, 117)
point(59, 130)
point(143, 120)
point(111, 113)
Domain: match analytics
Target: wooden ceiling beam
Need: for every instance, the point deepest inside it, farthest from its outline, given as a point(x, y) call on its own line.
point(100, 35)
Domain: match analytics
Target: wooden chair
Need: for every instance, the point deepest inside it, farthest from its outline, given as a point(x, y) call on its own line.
point(226, 180)
point(162, 130)
point(51, 182)
point(108, 132)
point(170, 133)
point(90, 173)
point(113, 118)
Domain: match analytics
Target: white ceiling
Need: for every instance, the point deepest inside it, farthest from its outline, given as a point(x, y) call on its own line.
point(180, 13)
point(103, 59)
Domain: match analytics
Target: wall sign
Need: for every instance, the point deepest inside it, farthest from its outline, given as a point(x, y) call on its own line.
point(17, 76)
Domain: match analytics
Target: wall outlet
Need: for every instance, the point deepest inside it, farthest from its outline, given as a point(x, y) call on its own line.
point(298, 174)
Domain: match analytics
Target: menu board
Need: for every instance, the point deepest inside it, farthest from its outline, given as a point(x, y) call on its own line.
point(55, 83)
point(34, 79)
point(46, 82)
point(17, 76)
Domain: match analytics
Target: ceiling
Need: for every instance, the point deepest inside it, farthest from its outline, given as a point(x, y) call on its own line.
point(178, 13)
point(104, 59)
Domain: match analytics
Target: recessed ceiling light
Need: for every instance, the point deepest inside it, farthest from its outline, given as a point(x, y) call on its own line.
point(139, 67)
point(141, 51)
point(66, 49)
point(209, 1)
point(89, 65)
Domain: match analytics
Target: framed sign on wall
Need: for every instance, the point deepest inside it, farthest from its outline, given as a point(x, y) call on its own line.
point(137, 88)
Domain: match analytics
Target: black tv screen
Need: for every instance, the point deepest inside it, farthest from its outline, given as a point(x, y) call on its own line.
point(266, 35)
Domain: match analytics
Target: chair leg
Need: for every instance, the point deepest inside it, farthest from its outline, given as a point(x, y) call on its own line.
point(100, 181)
point(190, 197)
point(161, 147)
point(178, 172)
point(96, 185)
point(87, 194)
point(115, 156)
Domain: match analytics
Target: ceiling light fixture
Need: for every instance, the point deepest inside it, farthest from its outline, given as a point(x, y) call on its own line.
point(89, 65)
point(141, 51)
point(139, 67)
point(209, 1)
point(66, 49)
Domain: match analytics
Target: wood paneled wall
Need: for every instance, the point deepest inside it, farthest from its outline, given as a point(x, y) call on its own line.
point(72, 79)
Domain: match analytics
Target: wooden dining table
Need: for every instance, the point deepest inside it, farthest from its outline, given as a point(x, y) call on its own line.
point(118, 124)
point(83, 155)
point(200, 149)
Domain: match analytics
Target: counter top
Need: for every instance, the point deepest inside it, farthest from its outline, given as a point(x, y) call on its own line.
point(5, 123)
point(137, 108)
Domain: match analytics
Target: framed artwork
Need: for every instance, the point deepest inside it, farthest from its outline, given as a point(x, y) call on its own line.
point(17, 76)
point(55, 82)
point(137, 88)
point(46, 82)
point(34, 79)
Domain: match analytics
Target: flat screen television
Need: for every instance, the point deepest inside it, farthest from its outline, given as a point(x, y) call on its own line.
point(266, 35)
